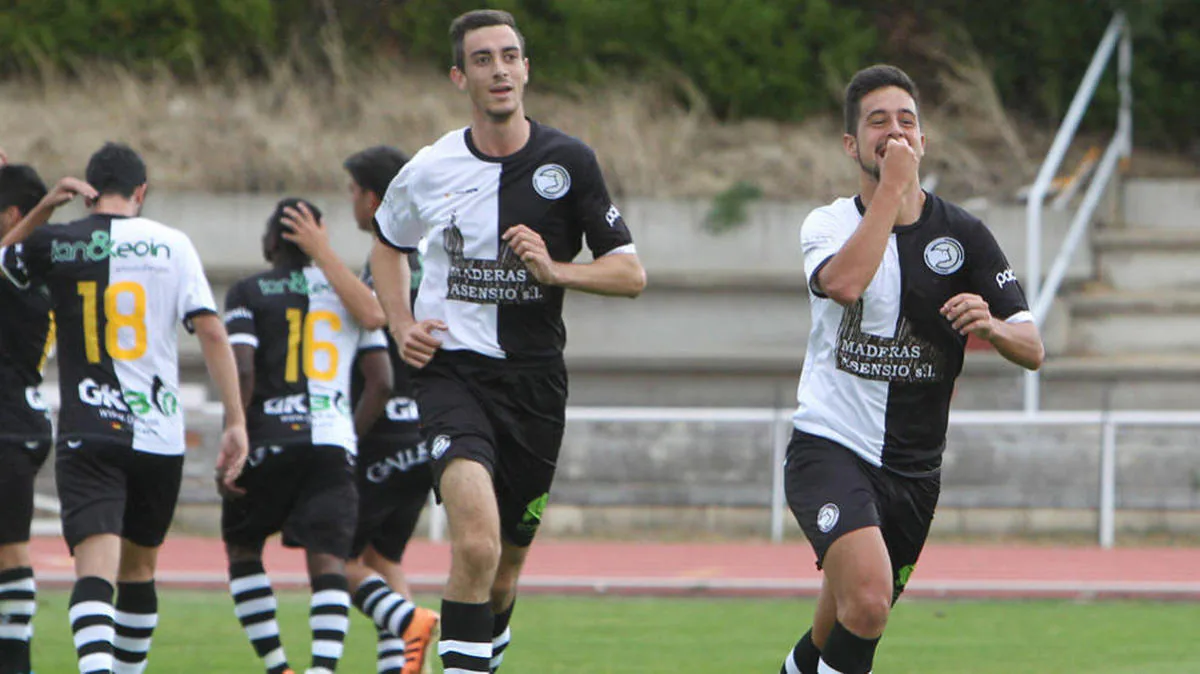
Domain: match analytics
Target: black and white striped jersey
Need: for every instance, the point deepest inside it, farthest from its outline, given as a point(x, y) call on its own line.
point(119, 287)
point(398, 425)
point(878, 375)
point(463, 200)
point(26, 336)
point(305, 342)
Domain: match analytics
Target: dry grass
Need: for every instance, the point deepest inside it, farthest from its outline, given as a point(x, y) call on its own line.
point(292, 129)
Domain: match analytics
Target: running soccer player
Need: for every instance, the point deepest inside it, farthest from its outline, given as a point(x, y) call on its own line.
point(119, 285)
point(394, 473)
point(26, 335)
point(295, 333)
point(506, 205)
point(898, 279)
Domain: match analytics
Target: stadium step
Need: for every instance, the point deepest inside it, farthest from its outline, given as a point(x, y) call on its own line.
point(1133, 323)
point(1141, 258)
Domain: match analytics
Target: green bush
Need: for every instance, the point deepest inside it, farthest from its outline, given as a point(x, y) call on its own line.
point(779, 59)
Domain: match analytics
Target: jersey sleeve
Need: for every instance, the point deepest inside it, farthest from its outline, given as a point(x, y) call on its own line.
point(820, 240)
point(993, 278)
point(28, 261)
point(370, 340)
point(195, 295)
point(239, 317)
point(397, 221)
point(603, 226)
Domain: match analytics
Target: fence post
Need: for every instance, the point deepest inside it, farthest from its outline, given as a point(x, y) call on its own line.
point(1108, 483)
point(781, 429)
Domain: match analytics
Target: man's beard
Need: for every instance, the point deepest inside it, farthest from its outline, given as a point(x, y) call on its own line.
point(872, 171)
point(500, 117)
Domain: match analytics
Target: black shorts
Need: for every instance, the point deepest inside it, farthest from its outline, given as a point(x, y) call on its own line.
point(20, 461)
point(832, 492)
point(107, 488)
point(507, 416)
point(393, 485)
point(305, 491)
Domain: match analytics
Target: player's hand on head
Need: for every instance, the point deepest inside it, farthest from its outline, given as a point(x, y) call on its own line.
point(900, 164)
point(305, 230)
point(232, 459)
point(417, 341)
point(531, 248)
point(67, 189)
point(969, 314)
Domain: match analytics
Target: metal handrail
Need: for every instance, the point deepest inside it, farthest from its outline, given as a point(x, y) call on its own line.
point(1041, 296)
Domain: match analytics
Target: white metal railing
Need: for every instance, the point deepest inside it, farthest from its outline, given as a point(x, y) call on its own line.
point(780, 424)
point(1041, 295)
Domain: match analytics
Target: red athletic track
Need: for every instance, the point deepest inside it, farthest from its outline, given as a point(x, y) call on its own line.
point(744, 569)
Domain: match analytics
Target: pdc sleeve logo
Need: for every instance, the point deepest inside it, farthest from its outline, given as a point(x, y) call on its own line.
point(944, 255)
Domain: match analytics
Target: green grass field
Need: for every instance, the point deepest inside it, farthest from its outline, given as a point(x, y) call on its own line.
point(602, 635)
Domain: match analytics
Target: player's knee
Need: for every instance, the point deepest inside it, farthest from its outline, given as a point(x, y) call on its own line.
point(480, 553)
point(865, 612)
point(503, 590)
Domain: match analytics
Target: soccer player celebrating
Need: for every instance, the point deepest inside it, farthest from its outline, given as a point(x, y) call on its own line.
point(506, 205)
point(295, 331)
point(119, 285)
point(26, 334)
point(394, 475)
point(898, 280)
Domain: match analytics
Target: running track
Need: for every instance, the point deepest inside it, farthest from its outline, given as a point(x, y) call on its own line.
point(739, 569)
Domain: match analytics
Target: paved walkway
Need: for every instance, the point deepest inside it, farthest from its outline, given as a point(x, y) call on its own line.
point(744, 569)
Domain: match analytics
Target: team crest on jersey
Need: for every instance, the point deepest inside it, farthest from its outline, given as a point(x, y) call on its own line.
point(827, 517)
point(551, 181)
point(944, 255)
point(439, 446)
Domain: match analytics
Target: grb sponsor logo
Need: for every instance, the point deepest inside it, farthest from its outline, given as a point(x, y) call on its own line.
point(827, 517)
point(551, 181)
point(401, 409)
point(944, 255)
point(293, 404)
point(102, 247)
point(1005, 277)
point(101, 395)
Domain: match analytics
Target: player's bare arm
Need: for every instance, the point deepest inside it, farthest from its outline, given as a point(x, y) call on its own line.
point(63, 191)
point(376, 370)
point(393, 278)
point(1020, 343)
point(846, 276)
point(222, 368)
point(619, 275)
point(313, 238)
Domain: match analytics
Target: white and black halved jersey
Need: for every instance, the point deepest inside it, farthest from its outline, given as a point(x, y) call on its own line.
point(305, 342)
point(463, 200)
point(119, 287)
point(878, 375)
point(399, 424)
point(26, 336)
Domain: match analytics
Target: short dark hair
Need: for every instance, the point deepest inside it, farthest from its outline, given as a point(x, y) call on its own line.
point(20, 186)
point(287, 251)
point(479, 18)
point(116, 169)
point(374, 167)
point(870, 79)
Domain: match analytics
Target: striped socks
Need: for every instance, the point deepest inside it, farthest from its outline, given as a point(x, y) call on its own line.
point(18, 604)
point(501, 636)
point(329, 618)
point(466, 644)
point(136, 617)
point(389, 610)
point(255, 606)
point(91, 616)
